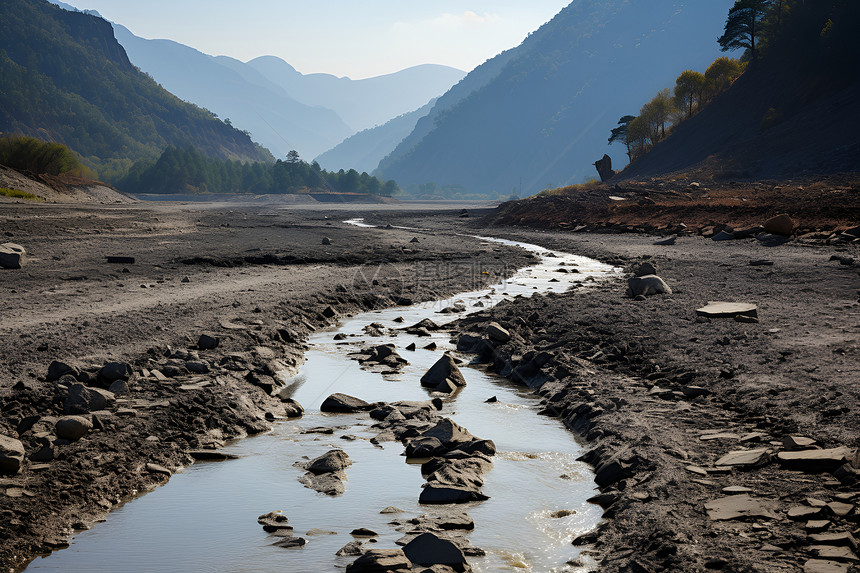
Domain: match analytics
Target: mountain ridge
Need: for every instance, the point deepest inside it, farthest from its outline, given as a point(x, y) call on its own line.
point(364, 150)
point(367, 102)
point(544, 118)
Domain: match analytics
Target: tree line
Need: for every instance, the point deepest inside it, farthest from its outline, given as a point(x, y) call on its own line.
point(187, 170)
point(818, 36)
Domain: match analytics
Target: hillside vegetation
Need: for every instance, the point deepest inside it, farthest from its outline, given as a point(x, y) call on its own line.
point(188, 171)
point(66, 79)
point(38, 157)
point(793, 112)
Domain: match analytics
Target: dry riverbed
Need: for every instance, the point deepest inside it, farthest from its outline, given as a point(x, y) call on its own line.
point(658, 395)
point(255, 279)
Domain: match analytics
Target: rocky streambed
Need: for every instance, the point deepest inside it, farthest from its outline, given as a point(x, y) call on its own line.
point(490, 485)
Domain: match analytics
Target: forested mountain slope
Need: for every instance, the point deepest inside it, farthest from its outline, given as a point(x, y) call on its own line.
point(793, 113)
point(65, 78)
point(237, 92)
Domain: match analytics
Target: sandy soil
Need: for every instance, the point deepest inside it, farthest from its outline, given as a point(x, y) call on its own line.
point(657, 395)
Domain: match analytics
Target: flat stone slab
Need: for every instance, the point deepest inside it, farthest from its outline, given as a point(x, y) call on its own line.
point(815, 460)
point(843, 539)
point(720, 436)
point(840, 509)
point(834, 553)
point(793, 443)
point(736, 489)
point(717, 309)
point(737, 507)
point(745, 458)
point(803, 513)
point(822, 566)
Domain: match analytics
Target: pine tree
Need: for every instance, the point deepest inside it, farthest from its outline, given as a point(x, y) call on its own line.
point(744, 26)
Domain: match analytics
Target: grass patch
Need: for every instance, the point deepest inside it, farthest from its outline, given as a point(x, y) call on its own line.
point(15, 194)
point(570, 189)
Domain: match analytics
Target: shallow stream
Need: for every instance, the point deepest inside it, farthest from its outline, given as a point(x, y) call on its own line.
point(204, 519)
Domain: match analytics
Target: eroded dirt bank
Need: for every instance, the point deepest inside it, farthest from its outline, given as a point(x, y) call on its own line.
point(256, 279)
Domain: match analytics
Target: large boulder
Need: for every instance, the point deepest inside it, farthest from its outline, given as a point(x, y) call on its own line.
point(83, 400)
point(113, 371)
point(424, 447)
point(386, 355)
point(73, 428)
point(292, 409)
point(11, 455)
point(781, 225)
point(331, 461)
point(428, 550)
point(344, 404)
point(380, 561)
point(11, 256)
point(58, 369)
point(328, 484)
point(443, 375)
point(604, 168)
point(644, 269)
point(208, 342)
point(647, 285)
point(435, 493)
point(449, 433)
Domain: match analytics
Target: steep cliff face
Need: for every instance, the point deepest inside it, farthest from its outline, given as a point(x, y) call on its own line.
point(65, 78)
point(544, 117)
point(95, 34)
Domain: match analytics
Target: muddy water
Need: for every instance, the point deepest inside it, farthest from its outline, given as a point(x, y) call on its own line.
point(205, 518)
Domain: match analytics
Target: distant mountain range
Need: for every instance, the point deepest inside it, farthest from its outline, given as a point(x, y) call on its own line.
point(539, 115)
point(281, 108)
point(237, 92)
point(362, 103)
point(364, 150)
point(65, 78)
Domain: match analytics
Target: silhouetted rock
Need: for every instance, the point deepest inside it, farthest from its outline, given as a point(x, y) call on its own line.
point(604, 168)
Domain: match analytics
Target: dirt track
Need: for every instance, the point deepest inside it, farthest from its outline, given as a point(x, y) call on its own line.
point(260, 281)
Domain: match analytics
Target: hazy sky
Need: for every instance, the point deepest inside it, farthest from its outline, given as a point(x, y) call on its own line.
point(342, 37)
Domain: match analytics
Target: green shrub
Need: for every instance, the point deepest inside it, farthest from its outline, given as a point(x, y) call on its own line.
point(29, 154)
point(15, 194)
